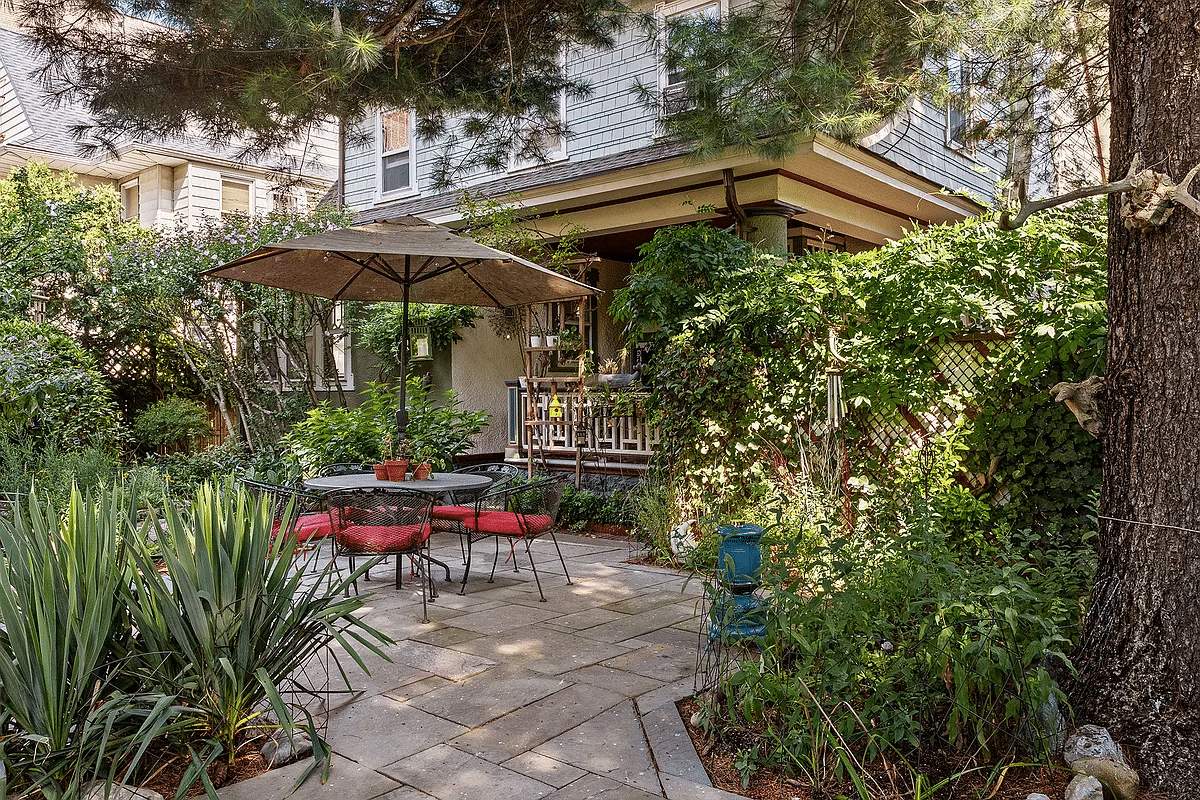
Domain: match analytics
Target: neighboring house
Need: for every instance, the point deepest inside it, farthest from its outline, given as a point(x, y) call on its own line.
point(162, 182)
point(170, 181)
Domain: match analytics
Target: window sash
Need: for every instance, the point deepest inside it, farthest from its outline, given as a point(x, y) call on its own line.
point(235, 197)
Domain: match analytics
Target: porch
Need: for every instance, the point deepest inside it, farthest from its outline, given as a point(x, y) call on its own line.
point(605, 432)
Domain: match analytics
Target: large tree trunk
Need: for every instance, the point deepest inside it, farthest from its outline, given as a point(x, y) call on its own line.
point(1140, 657)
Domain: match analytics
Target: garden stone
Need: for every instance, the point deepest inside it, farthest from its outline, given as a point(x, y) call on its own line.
point(280, 749)
point(1091, 741)
point(1042, 731)
point(1120, 779)
point(119, 791)
point(1084, 787)
point(1037, 796)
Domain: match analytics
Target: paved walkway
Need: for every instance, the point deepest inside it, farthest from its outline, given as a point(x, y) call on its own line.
point(502, 696)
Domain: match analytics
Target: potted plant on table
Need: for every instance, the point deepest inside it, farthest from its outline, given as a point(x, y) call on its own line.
point(422, 459)
point(397, 466)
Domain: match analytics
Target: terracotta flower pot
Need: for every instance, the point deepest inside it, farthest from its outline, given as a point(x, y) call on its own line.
point(396, 470)
point(421, 472)
point(381, 472)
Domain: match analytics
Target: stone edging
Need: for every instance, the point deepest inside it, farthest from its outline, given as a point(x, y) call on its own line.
point(683, 776)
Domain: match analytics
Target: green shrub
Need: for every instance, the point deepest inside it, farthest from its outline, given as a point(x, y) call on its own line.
point(899, 637)
point(69, 713)
point(186, 472)
point(237, 620)
point(581, 506)
point(27, 461)
point(330, 434)
point(174, 421)
point(51, 390)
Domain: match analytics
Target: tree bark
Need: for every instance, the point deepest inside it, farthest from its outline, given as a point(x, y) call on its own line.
point(1139, 659)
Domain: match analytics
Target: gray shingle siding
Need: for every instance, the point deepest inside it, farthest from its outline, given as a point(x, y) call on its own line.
point(610, 121)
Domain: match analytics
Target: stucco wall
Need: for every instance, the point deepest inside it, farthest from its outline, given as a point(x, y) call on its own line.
point(481, 363)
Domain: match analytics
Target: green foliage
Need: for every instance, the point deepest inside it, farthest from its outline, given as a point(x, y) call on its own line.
point(330, 434)
point(185, 473)
point(53, 471)
point(55, 235)
point(171, 421)
point(230, 336)
point(68, 712)
point(237, 620)
point(581, 506)
point(51, 389)
point(888, 642)
point(383, 329)
point(767, 73)
point(739, 381)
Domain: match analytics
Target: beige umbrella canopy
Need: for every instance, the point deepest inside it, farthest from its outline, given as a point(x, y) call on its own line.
point(405, 259)
point(376, 261)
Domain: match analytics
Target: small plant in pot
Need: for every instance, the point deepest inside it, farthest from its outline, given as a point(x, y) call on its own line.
point(423, 458)
point(397, 467)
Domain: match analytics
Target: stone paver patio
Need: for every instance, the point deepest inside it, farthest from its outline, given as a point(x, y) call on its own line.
point(502, 696)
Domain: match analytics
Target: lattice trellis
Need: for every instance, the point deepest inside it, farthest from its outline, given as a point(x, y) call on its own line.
point(965, 364)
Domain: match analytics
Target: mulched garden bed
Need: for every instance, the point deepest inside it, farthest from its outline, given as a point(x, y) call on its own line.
point(1017, 784)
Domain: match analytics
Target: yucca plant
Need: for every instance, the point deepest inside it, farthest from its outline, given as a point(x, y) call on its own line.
point(68, 717)
point(236, 619)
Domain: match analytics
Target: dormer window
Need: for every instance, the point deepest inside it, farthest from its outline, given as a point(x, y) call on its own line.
point(396, 162)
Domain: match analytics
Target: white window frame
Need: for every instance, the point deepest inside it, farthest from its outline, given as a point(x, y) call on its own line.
point(380, 195)
point(250, 197)
point(343, 356)
point(137, 212)
point(954, 71)
point(290, 194)
point(663, 12)
point(553, 155)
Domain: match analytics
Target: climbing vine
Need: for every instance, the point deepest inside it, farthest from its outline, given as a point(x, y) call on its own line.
point(743, 345)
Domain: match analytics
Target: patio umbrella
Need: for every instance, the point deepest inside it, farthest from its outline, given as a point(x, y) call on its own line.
point(405, 259)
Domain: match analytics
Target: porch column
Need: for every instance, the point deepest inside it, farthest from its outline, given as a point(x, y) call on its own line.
point(770, 222)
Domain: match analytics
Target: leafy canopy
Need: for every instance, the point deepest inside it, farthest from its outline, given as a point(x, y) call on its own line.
point(739, 380)
point(263, 73)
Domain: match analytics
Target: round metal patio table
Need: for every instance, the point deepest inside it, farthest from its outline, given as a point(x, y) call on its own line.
point(438, 484)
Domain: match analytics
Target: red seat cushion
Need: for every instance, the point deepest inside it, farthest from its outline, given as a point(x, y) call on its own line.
point(456, 513)
point(313, 526)
point(307, 526)
point(508, 523)
point(379, 538)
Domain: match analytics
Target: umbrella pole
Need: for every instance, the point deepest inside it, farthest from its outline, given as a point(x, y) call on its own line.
point(402, 412)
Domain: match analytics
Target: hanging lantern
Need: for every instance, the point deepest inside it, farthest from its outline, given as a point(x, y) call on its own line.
point(421, 343)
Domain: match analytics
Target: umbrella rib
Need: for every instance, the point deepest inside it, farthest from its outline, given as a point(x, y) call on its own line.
point(455, 264)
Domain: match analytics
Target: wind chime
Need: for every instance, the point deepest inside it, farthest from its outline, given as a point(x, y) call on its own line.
point(835, 412)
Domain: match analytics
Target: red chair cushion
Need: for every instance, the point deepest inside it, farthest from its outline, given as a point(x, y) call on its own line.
point(313, 526)
point(307, 526)
point(455, 513)
point(382, 537)
point(508, 523)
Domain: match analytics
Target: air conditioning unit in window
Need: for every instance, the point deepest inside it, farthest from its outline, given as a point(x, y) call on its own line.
point(675, 99)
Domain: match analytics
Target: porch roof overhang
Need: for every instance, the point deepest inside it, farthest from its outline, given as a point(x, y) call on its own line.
point(839, 186)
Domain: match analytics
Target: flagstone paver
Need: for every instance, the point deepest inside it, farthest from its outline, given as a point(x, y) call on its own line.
point(450, 774)
point(611, 744)
point(504, 696)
